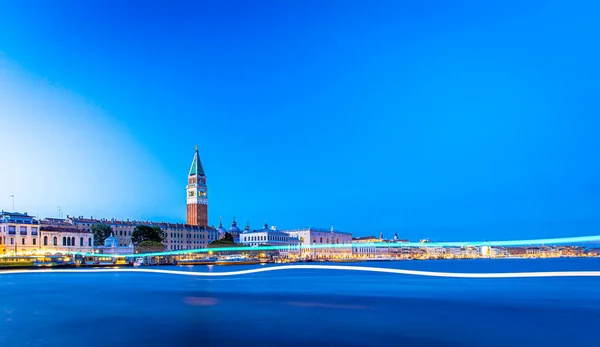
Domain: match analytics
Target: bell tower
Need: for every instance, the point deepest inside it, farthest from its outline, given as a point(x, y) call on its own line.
point(197, 197)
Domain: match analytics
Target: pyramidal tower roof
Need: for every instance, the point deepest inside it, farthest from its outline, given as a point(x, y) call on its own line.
point(196, 168)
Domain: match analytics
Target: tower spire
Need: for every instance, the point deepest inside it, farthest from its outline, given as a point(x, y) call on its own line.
point(196, 168)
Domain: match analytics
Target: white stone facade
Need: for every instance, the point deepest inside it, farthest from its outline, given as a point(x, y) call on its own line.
point(322, 243)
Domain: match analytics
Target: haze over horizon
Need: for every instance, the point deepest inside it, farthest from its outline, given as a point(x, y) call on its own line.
point(454, 121)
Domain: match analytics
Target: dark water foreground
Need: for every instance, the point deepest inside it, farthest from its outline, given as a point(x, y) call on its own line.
point(305, 307)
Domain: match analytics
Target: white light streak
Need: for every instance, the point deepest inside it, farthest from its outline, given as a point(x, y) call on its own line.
point(321, 267)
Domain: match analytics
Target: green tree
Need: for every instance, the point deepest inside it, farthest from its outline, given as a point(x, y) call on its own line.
point(149, 247)
point(226, 241)
point(101, 232)
point(143, 233)
point(228, 237)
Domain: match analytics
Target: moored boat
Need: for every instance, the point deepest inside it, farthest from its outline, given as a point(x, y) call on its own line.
point(200, 261)
point(138, 262)
point(53, 261)
point(347, 260)
point(237, 260)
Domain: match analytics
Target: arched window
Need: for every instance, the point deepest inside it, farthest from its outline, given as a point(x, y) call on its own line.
point(64, 241)
point(90, 242)
point(73, 241)
point(81, 241)
point(45, 240)
point(321, 240)
point(55, 241)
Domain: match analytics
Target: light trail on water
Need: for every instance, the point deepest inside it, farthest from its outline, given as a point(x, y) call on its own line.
point(322, 267)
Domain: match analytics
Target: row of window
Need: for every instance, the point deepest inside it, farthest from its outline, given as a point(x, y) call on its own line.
point(12, 230)
point(12, 241)
point(265, 238)
point(326, 241)
point(189, 236)
point(176, 247)
point(66, 241)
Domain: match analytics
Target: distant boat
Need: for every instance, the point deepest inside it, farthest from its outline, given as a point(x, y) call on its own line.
point(379, 259)
point(138, 262)
point(347, 260)
point(53, 261)
point(237, 260)
point(201, 261)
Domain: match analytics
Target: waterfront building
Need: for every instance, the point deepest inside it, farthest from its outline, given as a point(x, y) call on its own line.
point(516, 251)
point(396, 249)
point(498, 252)
point(177, 236)
point(370, 247)
point(454, 253)
point(366, 239)
point(593, 252)
point(19, 234)
point(62, 238)
point(111, 246)
point(310, 237)
point(288, 246)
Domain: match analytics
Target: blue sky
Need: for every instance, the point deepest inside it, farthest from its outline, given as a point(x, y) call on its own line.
point(446, 120)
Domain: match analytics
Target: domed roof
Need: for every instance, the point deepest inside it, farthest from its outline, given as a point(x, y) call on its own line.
point(221, 230)
point(234, 228)
point(247, 230)
point(111, 241)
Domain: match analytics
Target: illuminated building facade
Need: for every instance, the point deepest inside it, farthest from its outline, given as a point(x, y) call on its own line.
point(310, 237)
point(19, 234)
point(370, 247)
point(65, 239)
point(177, 236)
point(288, 246)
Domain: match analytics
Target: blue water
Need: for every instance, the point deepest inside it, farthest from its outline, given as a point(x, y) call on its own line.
point(304, 307)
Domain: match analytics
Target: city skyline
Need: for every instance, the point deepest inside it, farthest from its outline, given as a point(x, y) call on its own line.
point(457, 123)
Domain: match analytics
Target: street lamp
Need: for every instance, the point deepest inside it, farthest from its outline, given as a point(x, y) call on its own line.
point(13, 202)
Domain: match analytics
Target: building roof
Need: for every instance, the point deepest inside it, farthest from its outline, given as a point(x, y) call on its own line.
point(321, 230)
point(196, 168)
point(14, 214)
point(63, 229)
point(15, 217)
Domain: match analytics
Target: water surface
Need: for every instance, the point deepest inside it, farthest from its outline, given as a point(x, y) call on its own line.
point(303, 307)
